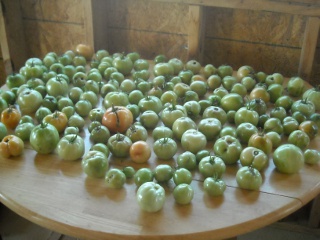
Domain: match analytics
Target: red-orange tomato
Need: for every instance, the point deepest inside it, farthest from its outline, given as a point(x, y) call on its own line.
point(261, 141)
point(260, 92)
point(58, 119)
point(140, 152)
point(117, 119)
point(11, 145)
point(85, 50)
point(10, 117)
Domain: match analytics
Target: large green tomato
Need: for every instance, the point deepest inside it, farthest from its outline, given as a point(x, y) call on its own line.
point(228, 148)
point(193, 140)
point(70, 147)
point(165, 148)
point(288, 158)
point(29, 101)
point(249, 178)
point(151, 197)
point(313, 95)
point(183, 193)
point(95, 164)
point(115, 178)
point(44, 138)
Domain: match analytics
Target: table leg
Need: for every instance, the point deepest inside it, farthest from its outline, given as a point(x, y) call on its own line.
point(314, 218)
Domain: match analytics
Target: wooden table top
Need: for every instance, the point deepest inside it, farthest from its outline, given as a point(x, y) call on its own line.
point(58, 195)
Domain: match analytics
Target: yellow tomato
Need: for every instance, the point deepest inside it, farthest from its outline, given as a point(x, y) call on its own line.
point(10, 117)
point(58, 119)
point(85, 50)
point(11, 145)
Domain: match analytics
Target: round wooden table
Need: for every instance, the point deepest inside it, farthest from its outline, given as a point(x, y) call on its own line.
point(58, 195)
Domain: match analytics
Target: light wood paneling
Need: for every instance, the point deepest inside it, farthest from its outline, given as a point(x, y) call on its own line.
point(149, 16)
point(45, 37)
point(255, 26)
point(148, 44)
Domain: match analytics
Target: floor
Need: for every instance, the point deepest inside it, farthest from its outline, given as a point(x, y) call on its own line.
point(14, 227)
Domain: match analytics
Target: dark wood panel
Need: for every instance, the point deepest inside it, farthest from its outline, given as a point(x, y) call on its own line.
point(58, 10)
point(148, 44)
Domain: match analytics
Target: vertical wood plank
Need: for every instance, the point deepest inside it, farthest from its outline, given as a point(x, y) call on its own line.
point(4, 44)
point(15, 32)
point(88, 22)
point(309, 47)
point(195, 32)
point(100, 9)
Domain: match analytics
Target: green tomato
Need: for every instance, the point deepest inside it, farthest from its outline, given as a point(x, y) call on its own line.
point(3, 131)
point(228, 148)
point(161, 132)
point(311, 156)
point(165, 148)
point(251, 156)
point(44, 138)
point(151, 197)
point(212, 166)
point(101, 147)
point(23, 131)
point(214, 186)
point(115, 178)
point(70, 147)
point(181, 125)
point(296, 86)
point(142, 176)
point(95, 164)
point(163, 173)
point(288, 158)
point(119, 145)
point(187, 160)
point(193, 140)
point(299, 138)
point(183, 193)
point(182, 175)
point(249, 178)
point(129, 171)
point(100, 134)
point(29, 101)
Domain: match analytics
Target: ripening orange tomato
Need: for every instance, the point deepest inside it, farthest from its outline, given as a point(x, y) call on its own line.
point(117, 119)
point(85, 51)
point(260, 92)
point(58, 119)
point(310, 128)
point(11, 145)
point(10, 117)
point(140, 152)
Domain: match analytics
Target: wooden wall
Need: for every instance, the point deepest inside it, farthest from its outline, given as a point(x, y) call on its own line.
point(268, 41)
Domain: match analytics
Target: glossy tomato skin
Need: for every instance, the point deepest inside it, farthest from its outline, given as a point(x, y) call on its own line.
point(214, 186)
point(117, 119)
point(288, 158)
point(44, 138)
point(71, 147)
point(151, 197)
point(58, 119)
point(165, 148)
point(95, 164)
point(249, 178)
point(10, 117)
point(11, 145)
point(119, 145)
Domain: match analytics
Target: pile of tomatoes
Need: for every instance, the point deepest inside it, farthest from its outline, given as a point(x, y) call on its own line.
point(123, 100)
